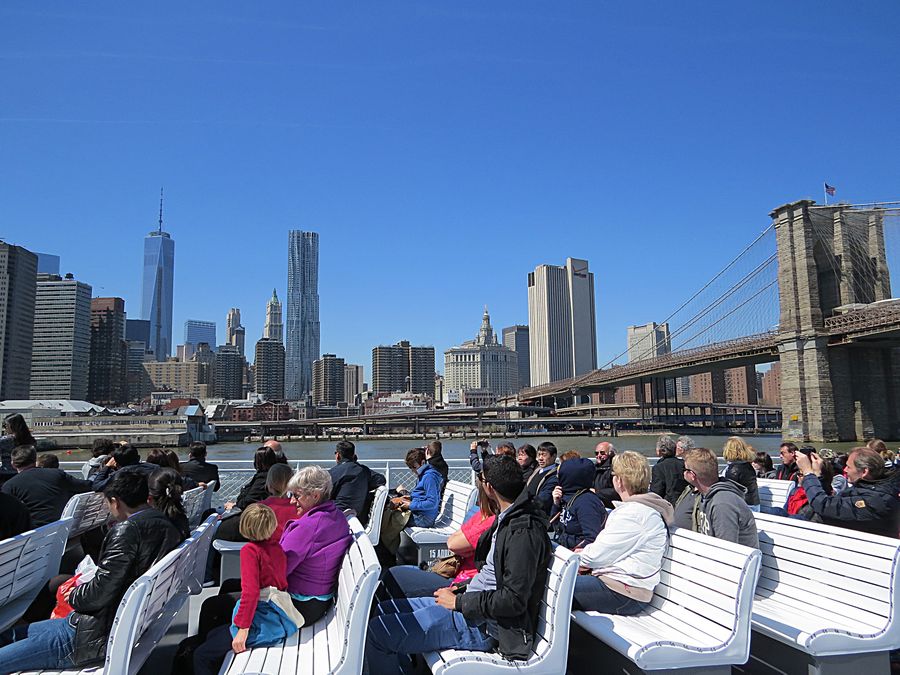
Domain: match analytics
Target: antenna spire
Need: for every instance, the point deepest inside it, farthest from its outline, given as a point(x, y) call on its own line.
point(160, 209)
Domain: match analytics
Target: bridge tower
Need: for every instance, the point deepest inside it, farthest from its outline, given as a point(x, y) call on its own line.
point(828, 257)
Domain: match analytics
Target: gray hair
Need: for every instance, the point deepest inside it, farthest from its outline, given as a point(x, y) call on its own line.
point(665, 446)
point(686, 443)
point(311, 480)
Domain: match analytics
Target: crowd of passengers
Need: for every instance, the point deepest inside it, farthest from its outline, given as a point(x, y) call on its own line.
point(615, 510)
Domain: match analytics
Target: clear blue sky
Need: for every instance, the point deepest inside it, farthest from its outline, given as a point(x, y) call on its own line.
point(441, 150)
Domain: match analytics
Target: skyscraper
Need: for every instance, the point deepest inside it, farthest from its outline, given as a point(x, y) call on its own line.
point(229, 373)
point(196, 331)
point(157, 288)
point(234, 331)
point(18, 285)
point(562, 326)
point(353, 382)
point(62, 338)
point(403, 367)
point(328, 380)
point(107, 375)
point(269, 368)
point(302, 341)
point(482, 363)
point(648, 341)
point(274, 330)
point(516, 338)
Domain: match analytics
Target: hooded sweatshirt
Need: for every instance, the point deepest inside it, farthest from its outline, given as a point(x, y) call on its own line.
point(628, 553)
point(723, 513)
point(581, 513)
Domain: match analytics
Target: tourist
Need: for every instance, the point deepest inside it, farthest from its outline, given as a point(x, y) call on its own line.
point(434, 457)
point(503, 448)
point(626, 557)
point(526, 456)
point(668, 473)
point(169, 459)
point(255, 489)
point(352, 483)
point(788, 468)
point(100, 449)
point(142, 536)
point(763, 465)
point(869, 504)
point(165, 488)
point(682, 445)
point(603, 483)
point(15, 434)
point(542, 481)
point(420, 508)
point(280, 457)
point(198, 469)
point(571, 454)
point(409, 581)
point(44, 491)
point(123, 457)
point(47, 460)
point(578, 514)
point(740, 469)
point(720, 510)
point(263, 568)
point(14, 516)
point(500, 605)
point(839, 481)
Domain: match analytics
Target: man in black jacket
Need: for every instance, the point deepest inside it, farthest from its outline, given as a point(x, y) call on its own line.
point(667, 479)
point(44, 491)
point(142, 536)
point(198, 468)
point(603, 475)
point(499, 607)
point(124, 457)
point(351, 482)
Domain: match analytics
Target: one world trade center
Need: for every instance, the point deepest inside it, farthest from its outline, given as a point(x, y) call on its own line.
point(156, 289)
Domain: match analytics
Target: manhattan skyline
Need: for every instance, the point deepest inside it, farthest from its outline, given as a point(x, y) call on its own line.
point(440, 152)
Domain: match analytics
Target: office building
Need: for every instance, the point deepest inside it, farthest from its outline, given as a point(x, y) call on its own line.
point(205, 357)
point(157, 288)
point(197, 331)
point(353, 382)
point(328, 380)
point(482, 365)
point(234, 331)
point(648, 341)
point(228, 381)
point(562, 327)
point(61, 354)
point(403, 367)
point(269, 369)
point(176, 376)
point(302, 339)
point(18, 286)
point(107, 374)
point(47, 263)
point(273, 329)
point(516, 338)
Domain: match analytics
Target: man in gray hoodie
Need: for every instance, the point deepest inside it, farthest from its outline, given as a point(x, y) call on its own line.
point(720, 511)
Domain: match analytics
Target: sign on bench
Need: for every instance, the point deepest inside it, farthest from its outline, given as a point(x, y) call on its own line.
point(826, 601)
point(430, 543)
point(699, 617)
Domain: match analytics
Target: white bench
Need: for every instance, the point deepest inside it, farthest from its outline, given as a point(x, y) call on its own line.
point(87, 511)
point(774, 493)
point(27, 562)
point(699, 618)
point(195, 558)
point(827, 597)
point(197, 501)
point(551, 644)
point(431, 542)
point(335, 643)
point(373, 529)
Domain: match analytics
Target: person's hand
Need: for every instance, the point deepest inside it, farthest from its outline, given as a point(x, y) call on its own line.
point(803, 463)
point(446, 598)
point(557, 495)
point(817, 463)
point(111, 463)
point(203, 485)
point(228, 506)
point(239, 644)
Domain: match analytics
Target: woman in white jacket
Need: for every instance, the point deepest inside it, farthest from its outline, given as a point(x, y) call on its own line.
point(626, 557)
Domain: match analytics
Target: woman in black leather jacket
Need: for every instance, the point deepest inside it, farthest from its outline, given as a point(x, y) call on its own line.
point(142, 536)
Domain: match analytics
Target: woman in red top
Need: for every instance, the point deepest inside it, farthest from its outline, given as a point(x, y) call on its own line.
point(408, 581)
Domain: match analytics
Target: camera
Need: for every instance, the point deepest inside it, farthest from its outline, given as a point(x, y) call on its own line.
point(806, 450)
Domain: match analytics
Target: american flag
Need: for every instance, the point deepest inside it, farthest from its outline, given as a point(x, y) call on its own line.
point(830, 190)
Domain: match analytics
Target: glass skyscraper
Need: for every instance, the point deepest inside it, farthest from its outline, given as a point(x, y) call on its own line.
point(157, 287)
point(302, 340)
point(196, 331)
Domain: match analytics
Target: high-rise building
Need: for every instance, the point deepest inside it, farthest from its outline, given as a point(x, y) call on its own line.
point(274, 330)
point(403, 367)
point(229, 373)
point(47, 263)
point(18, 285)
point(175, 376)
point(157, 288)
point(206, 370)
point(562, 327)
point(137, 330)
point(62, 338)
point(302, 340)
point(234, 331)
point(197, 331)
point(328, 380)
point(481, 364)
point(107, 375)
point(770, 385)
point(353, 382)
point(648, 341)
point(516, 338)
point(269, 368)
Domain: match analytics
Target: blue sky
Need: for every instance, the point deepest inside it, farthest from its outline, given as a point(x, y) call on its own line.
point(441, 150)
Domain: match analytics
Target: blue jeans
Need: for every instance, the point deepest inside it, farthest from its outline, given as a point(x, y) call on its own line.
point(414, 626)
point(408, 581)
point(592, 595)
point(44, 644)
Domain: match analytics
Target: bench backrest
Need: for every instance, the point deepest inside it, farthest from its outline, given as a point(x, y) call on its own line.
point(194, 559)
point(356, 590)
point(833, 572)
point(551, 643)
point(458, 499)
point(774, 492)
point(373, 529)
point(192, 500)
point(87, 511)
point(27, 561)
point(708, 584)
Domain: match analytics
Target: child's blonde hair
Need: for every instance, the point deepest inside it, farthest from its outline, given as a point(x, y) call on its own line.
point(258, 523)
